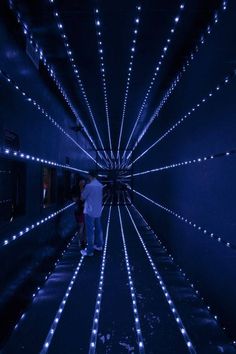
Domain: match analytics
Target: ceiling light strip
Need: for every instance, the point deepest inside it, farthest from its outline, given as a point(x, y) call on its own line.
point(157, 69)
point(204, 231)
point(51, 71)
point(103, 73)
point(44, 113)
point(31, 227)
point(192, 56)
point(130, 68)
point(94, 333)
point(76, 71)
point(188, 114)
point(163, 287)
point(132, 292)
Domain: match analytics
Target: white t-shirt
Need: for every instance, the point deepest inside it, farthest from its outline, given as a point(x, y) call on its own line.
point(92, 195)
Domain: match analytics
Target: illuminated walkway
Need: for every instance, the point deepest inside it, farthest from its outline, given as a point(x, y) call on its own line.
point(131, 298)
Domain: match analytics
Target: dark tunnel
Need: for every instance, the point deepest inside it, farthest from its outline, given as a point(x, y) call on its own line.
point(137, 99)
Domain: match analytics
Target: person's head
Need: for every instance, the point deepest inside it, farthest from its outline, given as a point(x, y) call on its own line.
point(92, 175)
point(81, 183)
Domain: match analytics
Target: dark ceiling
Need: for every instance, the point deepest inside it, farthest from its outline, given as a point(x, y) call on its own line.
point(117, 22)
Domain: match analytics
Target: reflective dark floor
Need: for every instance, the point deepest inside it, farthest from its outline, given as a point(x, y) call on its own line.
point(130, 298)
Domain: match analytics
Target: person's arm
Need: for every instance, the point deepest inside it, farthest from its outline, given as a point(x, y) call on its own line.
point(85, 193)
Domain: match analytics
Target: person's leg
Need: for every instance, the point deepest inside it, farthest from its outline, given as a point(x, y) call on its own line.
point(98, 233)
point(89, 222)
point(82, 240)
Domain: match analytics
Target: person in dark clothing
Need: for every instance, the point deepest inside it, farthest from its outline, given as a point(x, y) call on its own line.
point(79, 212)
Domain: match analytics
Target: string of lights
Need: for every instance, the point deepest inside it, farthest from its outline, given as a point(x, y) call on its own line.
point(5, 201)
point(44, 113)
point(94, 334)
point(31, 227)
point(51, 71)
point(76, 71)
point(25, 156)
point(130, 68)
point(191, 57)
point(195, 161)
point(61, 308)
point(156, 71)
point(192, 110)
point(162, 285)
point(132, 291)
point(103, 72)
point(46, 279)
point(173, 261)
point(189, 222)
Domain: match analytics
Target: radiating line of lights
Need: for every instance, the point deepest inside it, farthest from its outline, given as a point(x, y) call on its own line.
point(130, 68)
point(169, 300)
point(51, 71)
point(189, 222)
point(197, 161)
point(44, 113)
point(46, 278)
point(179, 268)
point(156, 70)
point(76, 71)
point(61, 308)
point(54, 325)
point(33, 226)
point(28, 157)
point(98, 24)
point(192, 110)
point(5, 201)
point(94, 333)
point(132, 292)
point(187, 64)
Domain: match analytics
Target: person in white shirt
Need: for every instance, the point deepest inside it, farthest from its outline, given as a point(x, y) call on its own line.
point(92, 196)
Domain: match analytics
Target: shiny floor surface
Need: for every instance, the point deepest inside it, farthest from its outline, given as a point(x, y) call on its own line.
point(130, 298)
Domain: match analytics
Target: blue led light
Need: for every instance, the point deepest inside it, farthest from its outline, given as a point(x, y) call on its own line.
point(131, 61)
point(187, 221)
point(94, 332)
point(171, 88)
point(163, 54)
point(165, 291)
point(132, 291)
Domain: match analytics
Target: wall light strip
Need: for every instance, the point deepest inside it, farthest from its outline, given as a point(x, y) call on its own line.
point(94, 334)
point(195, 108)
point(76, 71)
point(189, 222)
point(25, 156)
point(197, 161)
point(130, 68)
point(51, 71)
point(132, 291)
point(157, 69)
point(31, 227)
point(175, 82)
point(169, 300)
point(103, 72)
point(44, 113)
point(57, 318)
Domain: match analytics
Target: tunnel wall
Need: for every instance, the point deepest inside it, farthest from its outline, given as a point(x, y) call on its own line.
point(202, 192)
point(40, 138)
